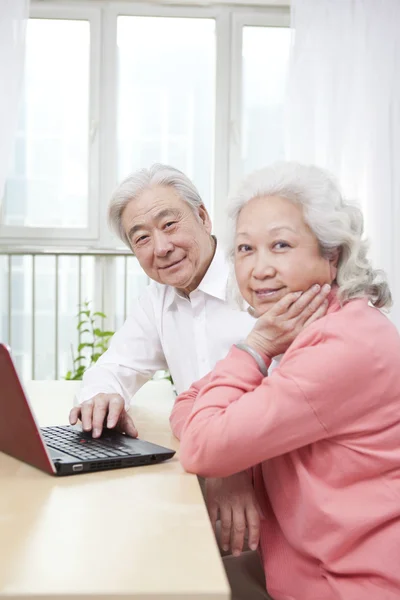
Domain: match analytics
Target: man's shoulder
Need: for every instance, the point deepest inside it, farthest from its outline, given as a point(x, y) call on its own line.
point(157, 293)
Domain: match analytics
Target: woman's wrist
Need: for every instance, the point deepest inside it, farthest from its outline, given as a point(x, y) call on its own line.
point(257, 357)
point(259, 347)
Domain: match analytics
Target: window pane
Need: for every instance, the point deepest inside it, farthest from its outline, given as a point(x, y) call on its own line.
point(130, 282)
point(48, 183)
point(265, 63)
point(166, 96)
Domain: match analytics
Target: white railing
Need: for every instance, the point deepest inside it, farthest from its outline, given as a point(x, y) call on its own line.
point(40, 296)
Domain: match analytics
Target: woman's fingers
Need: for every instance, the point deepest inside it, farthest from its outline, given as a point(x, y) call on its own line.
point(284, 304)
point(225, 514)
point(309, 301)
point(320, 312)
point(314, 304)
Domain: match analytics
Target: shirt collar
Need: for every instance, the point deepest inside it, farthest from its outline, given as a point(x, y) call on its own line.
point(214, 282)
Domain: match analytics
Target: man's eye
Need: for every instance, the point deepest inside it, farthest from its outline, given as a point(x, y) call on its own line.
point(141, 239)
point(244, 248)
point(170, 223)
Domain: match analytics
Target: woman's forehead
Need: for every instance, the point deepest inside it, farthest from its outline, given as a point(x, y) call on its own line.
point(271, 213)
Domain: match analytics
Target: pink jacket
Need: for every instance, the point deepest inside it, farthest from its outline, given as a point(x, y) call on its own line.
point(323, 435)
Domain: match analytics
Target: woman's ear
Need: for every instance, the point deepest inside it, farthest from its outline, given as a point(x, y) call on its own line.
point(333, 263)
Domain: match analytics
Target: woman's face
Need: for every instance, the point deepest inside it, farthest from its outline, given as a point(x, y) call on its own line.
point(276, 252)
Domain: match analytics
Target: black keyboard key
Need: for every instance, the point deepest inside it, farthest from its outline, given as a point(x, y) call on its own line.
point(81, 445)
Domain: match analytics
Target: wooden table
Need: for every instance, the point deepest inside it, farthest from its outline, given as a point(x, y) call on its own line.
point(140, 532)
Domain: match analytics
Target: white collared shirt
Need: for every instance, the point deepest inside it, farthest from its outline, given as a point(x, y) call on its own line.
point(165, 330)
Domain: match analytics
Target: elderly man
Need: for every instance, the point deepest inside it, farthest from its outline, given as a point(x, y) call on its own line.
point(182, 322)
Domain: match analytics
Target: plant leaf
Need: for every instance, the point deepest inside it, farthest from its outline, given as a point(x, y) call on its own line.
point(79, 358)
point(100, 314)
point(77, 377)
point(85, 345)
point(102, 334)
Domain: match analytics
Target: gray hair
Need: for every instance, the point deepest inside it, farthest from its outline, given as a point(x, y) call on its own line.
point(337, 224)
point(143, 179)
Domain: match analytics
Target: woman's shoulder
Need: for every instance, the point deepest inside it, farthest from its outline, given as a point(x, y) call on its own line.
point(360, 327)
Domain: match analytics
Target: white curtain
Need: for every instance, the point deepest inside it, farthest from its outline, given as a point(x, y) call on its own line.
point(13, 19)
point(343, 110)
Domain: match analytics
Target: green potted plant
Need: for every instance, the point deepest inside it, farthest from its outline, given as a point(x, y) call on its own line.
point(94, 341)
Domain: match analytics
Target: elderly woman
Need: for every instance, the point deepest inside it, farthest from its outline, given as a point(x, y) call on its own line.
point(321, 433)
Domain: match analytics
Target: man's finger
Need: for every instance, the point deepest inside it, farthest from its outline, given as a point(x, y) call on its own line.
point(99, 414)
point(74, 415)
point(126, 425)
point(226, 524)
point(238, 531)
point(115, 408)
point(253, 526)
point(86, 415)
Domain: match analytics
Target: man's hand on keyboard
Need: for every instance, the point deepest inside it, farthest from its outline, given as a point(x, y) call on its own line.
point(103, 410)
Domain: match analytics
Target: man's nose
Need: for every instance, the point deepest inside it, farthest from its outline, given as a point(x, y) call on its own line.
point(162, 245)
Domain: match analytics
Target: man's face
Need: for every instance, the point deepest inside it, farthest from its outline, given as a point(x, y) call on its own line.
point(170, 239)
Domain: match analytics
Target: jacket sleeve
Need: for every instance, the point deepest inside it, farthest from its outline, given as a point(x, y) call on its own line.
point(183, 406)
point(134, 355)
point(241, 419)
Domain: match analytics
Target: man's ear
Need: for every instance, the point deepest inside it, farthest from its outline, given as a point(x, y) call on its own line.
point(205, 218)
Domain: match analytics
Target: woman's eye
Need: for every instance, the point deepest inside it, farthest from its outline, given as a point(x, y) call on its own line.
point(244, 248)
point(280, 245)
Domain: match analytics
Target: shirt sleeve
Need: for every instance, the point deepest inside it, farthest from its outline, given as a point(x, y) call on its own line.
point(134, 355)
point(241, 419)
point(183, 406)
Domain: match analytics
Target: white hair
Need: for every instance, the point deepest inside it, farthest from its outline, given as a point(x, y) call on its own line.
point(337, 224)
point(143, 179)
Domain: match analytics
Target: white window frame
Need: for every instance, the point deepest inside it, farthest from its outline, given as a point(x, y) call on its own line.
point(230, 17)
point(39, 236)
point(222, 27)
point(274, 17)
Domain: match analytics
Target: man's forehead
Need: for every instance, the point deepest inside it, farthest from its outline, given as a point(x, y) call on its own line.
point(148, 212)
point(154, 213)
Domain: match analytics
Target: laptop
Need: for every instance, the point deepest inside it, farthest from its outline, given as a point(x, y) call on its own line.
point(65, 449)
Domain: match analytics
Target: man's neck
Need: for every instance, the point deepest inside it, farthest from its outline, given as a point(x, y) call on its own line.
point(196, 282)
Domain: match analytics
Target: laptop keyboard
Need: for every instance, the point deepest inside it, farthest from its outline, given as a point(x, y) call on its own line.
point(81, 445)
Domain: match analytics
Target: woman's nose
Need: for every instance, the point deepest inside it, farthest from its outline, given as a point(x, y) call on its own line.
point(263, 268)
